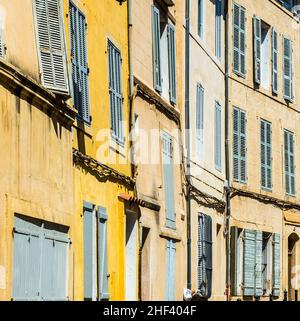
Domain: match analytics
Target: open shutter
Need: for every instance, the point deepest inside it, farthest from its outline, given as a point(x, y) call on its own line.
point(276, 265)
point(242, 41)
point(258, 264)
point(257, 49)
point(236, 144)
point(170, 270)
point(201, 17)
point(156, 48)
point(287, 68)
point(172, 63)
point(218, 137)
point(274, 61)
point(50, 35)
point(236, 38)
point(199, 120)
point(266, 154)
point(89, 234)
point(249, 262)
point(289, 160)
point(103, 292)
point(168, 179)
point(218, 31)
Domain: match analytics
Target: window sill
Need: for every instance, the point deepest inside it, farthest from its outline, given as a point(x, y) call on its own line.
point(166, 232)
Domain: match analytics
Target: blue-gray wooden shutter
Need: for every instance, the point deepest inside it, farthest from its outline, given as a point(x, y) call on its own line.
point(287, 69)
point(276, 265)
point(218, 29)
point(257, 49)
point(115, 92)
point(103, 291)
point(239, 39)
point(170, 270)
point(218, 137)
point(156, 48)
point(266, 154)
point(249, 262)
point(79, 63)
point(50, 37)
point(199, 119)
point(172, 63)
point(274, 61)
point(26, 261)
point(289, 163)
point(168, 179)
point(54, 264)
point(201, 18)
point(258, 264)
point(89, 250)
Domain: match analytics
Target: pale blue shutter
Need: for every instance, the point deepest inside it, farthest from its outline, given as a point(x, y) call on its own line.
point(26, 261)
point(218, 137)
point(218, 29)
point(257, 49)
point(89, 250)
point(168, 179)
point(156, 48)
point(236, 144)
point(239, 39)
point(199, 120)
point(103, 292)
point(242, 41)
point(170, 270)
point(276, 265)
point(172, 63)
point(79, 63)
point(258, 264)
point(249, 262)
point(274, 61)
point(50, 36)
point(289, 160)
point(266, 154)
point(287, 69)
point(201, 18)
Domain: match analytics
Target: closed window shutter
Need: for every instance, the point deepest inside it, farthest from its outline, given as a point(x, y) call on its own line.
point(156, 48)
point(200, 120)
point(89, 245)
point(289, 160)
point(266, 154)
point(218, 30)
point(243, 41)
point(276, 265)
point(168, 179)
point(115, 93)
point(172, 63)
point(236, 144)
point(239, 39)
point(258, 264)
point(257, 49)
point(79, 63)
point(50, 37)
point(287, 69)
point(249, 262)
point(274, 61)
point(243, 147)
point(170, 270)
point(103, 291)
point(218, 137)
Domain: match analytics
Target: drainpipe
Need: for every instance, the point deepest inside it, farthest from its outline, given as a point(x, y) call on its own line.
point(227, 154)
point(187, 138)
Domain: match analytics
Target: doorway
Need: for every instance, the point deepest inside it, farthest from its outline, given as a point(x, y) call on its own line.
point(292, 262)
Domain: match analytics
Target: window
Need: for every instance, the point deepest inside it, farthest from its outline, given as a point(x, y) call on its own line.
point(50, 36)
point(239, 41)
point(239, 145)
point(95, 253)
point(199, 120)
point(266, 154)
point(115, 93)
point(170, 270)
point(266, 263)
point(79, 63)
point(205, 255)
point(40, 260)
point(201, 15)
point(164, 54)
point(289, 163)
point(218, 137)
point(262, 54)
point(287, 69)
point(168, 179)
point(218, 32)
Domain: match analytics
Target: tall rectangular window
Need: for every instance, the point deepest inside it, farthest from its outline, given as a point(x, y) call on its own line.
point(218, 31)
point(218, 137)
point(239, 39)
point(79, 63)
point(205, 255)
point(239, 145)
point(115, 93)
point(266, 154)
point(50, 37)
point(289, 163)
point(170, 270)
point(201, 4)
point(287, 69)
point(199, 120)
